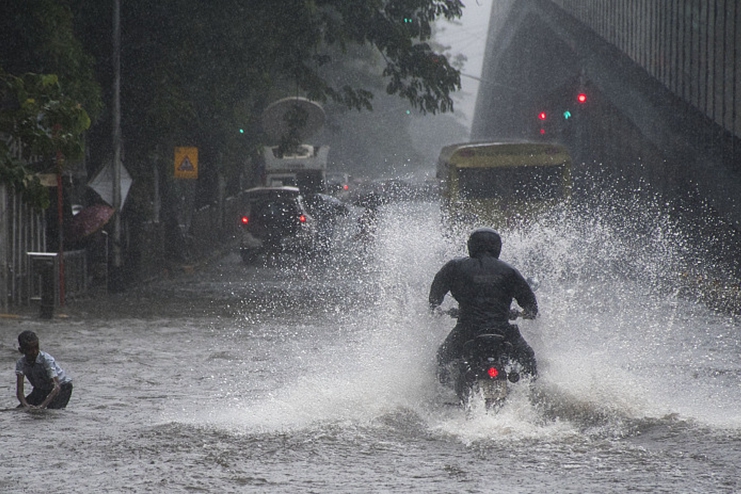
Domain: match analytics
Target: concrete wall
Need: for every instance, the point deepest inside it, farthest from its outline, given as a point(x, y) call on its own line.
point(692, 47)
point(634, 129)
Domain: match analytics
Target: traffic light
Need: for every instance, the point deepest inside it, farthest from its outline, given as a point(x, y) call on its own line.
point(542, 116)
point(581, 98)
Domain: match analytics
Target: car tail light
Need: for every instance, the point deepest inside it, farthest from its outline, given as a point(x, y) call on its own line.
point(244, 220)
point(302, 218)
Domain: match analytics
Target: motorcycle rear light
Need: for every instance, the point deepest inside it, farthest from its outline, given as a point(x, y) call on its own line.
point(245, 220)
point(302, 218)
point(493, 372)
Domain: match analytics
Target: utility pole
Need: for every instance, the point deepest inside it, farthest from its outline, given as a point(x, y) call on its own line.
point(115, 281)
point(60, 220)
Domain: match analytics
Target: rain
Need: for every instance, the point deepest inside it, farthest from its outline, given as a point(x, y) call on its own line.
point(229, 361)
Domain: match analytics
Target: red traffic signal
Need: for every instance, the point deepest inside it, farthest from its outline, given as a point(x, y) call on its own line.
point(542, 115)
point(581, 98)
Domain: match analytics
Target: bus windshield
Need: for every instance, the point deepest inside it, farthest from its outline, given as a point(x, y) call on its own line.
point(512, 183)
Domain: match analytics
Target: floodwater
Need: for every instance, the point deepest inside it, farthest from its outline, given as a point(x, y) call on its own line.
point(319, 378)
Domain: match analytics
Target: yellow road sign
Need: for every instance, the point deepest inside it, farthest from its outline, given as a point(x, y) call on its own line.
point(186, 162)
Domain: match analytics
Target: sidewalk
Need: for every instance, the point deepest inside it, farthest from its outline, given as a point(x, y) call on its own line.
point(98, 300)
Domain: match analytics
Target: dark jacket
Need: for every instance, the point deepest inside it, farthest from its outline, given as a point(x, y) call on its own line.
point(484, 288)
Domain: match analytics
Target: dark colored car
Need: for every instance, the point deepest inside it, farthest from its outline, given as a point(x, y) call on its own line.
point(274, 220)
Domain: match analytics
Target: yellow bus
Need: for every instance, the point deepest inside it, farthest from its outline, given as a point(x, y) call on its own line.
point(501, 184)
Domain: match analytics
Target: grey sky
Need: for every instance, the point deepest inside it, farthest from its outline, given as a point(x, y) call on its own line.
point(468, 37)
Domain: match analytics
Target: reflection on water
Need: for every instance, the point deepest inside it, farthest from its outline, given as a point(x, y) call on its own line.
point(318, 376)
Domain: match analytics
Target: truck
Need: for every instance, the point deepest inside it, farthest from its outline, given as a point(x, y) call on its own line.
point(305, 168)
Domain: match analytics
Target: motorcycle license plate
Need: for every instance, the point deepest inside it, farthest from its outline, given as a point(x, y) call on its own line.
point(493, 390)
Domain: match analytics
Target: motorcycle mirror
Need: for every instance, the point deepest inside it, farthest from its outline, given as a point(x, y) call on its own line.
point(534, 283)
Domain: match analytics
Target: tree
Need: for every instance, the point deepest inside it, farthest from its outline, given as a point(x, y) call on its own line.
point(38, 37)
point(45, 123)
point(381, 143)
point(200, 71)
point(300, 33)
point(46, 78)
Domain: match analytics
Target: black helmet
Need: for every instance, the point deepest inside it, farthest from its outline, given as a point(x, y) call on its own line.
point(484, 240)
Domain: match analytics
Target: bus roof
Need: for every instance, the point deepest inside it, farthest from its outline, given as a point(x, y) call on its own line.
point(476, 154)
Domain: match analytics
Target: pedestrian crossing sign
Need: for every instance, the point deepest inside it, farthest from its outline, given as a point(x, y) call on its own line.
point(186, 162)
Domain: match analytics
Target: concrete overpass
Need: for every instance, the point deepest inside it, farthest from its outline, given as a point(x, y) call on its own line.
point(662, 80)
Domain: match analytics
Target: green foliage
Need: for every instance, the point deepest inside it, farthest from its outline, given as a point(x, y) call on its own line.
point(38, 37)
point(15, 174)
point(45, 119)
point(299, 33)
point(37, 118)
point(44, 124)
point(201, 73)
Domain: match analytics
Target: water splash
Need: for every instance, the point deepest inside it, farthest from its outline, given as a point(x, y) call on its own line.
point(616, 340)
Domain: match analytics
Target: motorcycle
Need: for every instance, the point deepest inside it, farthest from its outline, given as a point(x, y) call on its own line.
point(486, 369)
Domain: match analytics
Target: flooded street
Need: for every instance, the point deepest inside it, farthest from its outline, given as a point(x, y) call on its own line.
point(319, 377)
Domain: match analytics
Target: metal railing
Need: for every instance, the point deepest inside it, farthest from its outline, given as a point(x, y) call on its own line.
point(23, 239)
point(21, 230)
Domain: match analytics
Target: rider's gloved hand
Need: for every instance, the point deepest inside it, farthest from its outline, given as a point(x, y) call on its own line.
point(514, 314)
point(437, 311)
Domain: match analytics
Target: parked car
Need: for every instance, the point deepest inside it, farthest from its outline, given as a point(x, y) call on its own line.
point(274, 220)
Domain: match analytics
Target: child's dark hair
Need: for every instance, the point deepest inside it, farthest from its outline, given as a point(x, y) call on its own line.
point(27, 338)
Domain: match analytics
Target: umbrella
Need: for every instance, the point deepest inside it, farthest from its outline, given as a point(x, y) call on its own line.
point(88, 221)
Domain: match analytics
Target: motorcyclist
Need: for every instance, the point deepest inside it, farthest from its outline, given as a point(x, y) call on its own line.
point(484, 287)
